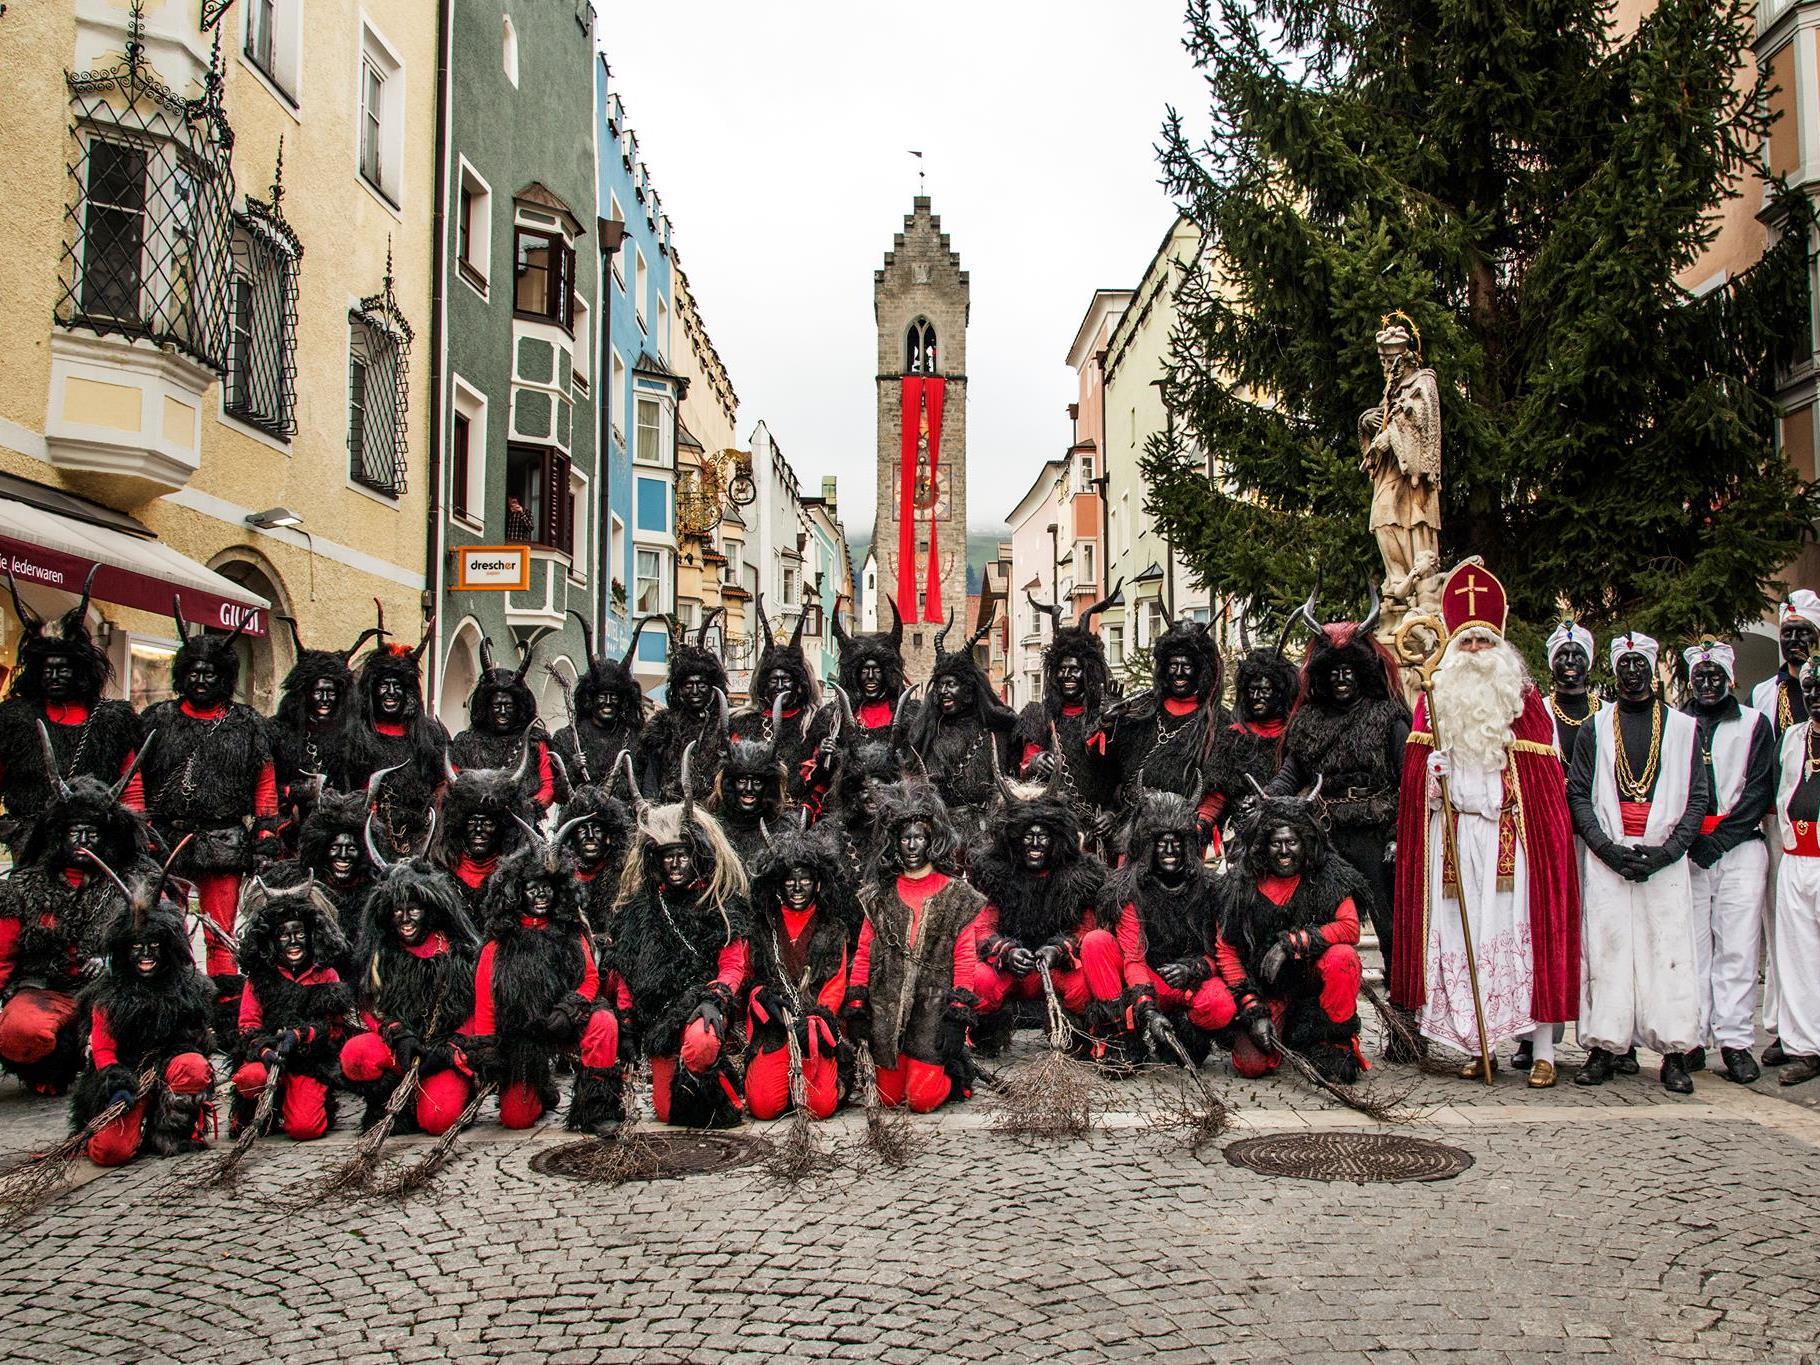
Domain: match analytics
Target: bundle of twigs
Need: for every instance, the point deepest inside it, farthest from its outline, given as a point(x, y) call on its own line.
point(1056, 1098)
point(33, 1182)
point(1197, 1113)
point(890, 1138)
point(800, 1152)
point(356, 1173)
point(408, 1180)
point(1386, 1108)
point(1409, 1045)
point(225, 1168)
point(631, 1153)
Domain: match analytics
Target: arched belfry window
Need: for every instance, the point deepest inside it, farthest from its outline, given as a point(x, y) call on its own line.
point(919, 348)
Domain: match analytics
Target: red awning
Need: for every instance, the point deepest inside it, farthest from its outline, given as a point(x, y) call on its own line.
point(57, 552)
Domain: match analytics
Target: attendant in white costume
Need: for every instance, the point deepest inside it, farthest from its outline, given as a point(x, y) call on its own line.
point(1571, 698)
point(1797, 958)
point(1730, 859)
point(1638, 793)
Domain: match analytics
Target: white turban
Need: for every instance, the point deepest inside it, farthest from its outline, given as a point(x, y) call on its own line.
point(1711, 652)
point(1633, 643)
point(1803, 604)
point(1569, 633)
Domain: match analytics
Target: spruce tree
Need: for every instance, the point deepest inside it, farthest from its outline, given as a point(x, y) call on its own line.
point(1526, 186)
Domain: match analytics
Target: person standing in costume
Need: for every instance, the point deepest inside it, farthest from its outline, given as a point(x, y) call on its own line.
point(871, 672)
point(1571, 698)
point(331, 853)
point(1249, 749)
point(392, 731)
point(315, 702)
point(751, 793)
point(1796, 961)
point(58, 683)
point(1638, 792)
point(911, 994)
point(695, 713)
point(503, 723)
point(1161, 740)
point(784, 697)
point(1730, 859)
point(1077, 687)
point(958, 729)
point(609, 711)
point(484, 815)
point(1481, 759)
point(1779, 697)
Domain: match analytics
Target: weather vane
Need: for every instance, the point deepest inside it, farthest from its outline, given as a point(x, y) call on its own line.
point(922, 185)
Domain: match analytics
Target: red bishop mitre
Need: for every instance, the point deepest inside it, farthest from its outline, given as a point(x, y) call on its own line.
point(1473, 597)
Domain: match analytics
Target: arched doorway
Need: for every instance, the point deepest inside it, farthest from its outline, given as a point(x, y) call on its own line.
point(460, 671)
point(264, 660)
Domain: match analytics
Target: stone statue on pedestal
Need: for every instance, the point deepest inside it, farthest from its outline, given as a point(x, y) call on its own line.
point(1400, 450)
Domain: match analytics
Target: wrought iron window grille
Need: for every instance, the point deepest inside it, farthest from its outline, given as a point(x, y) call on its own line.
point(149, 218)
point(262, 314)
point(378, 390)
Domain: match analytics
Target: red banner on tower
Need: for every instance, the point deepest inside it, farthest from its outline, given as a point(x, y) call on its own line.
point(909, 421)
point(932, 594)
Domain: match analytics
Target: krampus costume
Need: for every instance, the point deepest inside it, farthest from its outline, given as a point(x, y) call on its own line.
point(55, 910)
point(1348, 729)
point(871, 673)
point(695, 713)
point(309, 727)
point(484, 815)
point(149, 1011)
point(804, 918)
point(609, 711)
point(1077, 686)
point(1286, 953)
point(295, 1010)
point(538, 998)
point(595, 834)
point(414, 981)
point(503, 723)
point(752, 790)
point(1041, 894)
point(331, 852)
point(911, 991)
point(1249, 747)
point(959, 729)
point(209, 775)
point(867, 770)
point(392, 730)
point(681, 945)
point(59, 681)
point(1161, 740)
point(1160, 901)
point(784, 697)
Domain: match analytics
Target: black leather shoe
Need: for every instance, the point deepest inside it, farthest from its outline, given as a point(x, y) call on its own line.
point(1799, 1069)
point(1597, 1070)
point(1696, 1059)
point(1740, 1066)
point(1774, 1055)
point(1674, 1074)
point(1525, 1056)
point(1625, 1064)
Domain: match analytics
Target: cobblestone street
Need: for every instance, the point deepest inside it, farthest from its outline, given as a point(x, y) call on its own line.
point(1619, 1222)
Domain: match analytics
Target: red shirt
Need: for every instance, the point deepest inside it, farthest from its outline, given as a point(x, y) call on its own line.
point(916, 893)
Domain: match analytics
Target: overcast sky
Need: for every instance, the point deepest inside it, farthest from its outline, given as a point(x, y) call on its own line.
point(777, 135)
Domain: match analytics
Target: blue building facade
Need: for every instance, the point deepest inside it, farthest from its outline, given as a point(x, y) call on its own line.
point(641, 392)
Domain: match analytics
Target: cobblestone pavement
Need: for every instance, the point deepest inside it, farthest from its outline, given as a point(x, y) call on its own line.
point(1621, 1222)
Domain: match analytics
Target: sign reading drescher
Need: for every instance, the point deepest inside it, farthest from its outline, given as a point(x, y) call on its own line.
point(493, 568)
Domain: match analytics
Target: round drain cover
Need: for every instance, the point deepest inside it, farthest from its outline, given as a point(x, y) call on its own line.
point(1359, 1157)
point(645, 1155)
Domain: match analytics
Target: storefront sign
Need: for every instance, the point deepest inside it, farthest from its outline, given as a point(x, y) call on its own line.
point(124, 587)
point(493, 568)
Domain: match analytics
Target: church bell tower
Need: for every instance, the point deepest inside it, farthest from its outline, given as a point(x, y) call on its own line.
point(920, 303)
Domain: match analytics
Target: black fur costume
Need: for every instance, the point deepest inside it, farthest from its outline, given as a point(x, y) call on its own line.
point(321, 1013)
point(335, 813)
point(537, 975)
point(63, 927)
point(600, 889)
point(1239, 752)
point(1250, 923)
point(419, 753)
point(98, 747)
point(1091, 779)
point(884, 648)
point(872, 763)
point(1149, 747)
point(796, 975)
point(1034, 912)
point(668, 733)
point(788, 735)
point(756, 754)
point(498, 792)
point(957, 752)
point(152, 1020)
point(480, 747)
point(589, 752)
point(303, 750)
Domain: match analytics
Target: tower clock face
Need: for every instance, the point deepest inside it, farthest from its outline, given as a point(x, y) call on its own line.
point(941, 504)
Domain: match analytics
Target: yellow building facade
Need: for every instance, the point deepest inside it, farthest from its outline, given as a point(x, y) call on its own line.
point(214, 377)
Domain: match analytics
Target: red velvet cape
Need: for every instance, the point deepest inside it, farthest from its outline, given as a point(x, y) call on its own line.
point(1548, 847)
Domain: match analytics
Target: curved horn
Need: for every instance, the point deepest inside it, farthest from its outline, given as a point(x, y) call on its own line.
point(1057, 769)
point(942, 634)
point(1049, 609)
point(624, 766)
point(1257, 787)
point(429, 629)
point(1314, 792)
point(570, 825)
point(587, 637)
point(77, 614)
point(379, 776)
point(379, 615)
point(371, 632)
point(125, 778)
point(524, 762)
point(531, 830)
point(1087, 616)
point(688, 790)
point(843, 710)
point(777, 720)
point(841, 637)
point(802, 619)
point(177, 617)
point(528, 651)
point(486, 655)
point(764, 831)
point(380, 861)
point(986, 626)
point(764, 622)
point(701, 635)
point(27, 617)
point(297, 638)
point(1005, 789)
point(449, 771)
point(897, 625)
point(52, 769)
point(1374, 609)
point(1305, 614)
point(638, 628)
point(724, 709)
point(106, 871)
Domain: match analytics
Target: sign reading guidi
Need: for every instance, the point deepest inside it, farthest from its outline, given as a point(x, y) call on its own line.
point(493, 568)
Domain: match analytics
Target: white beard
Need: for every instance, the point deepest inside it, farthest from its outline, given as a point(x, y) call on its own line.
point(1477, 695)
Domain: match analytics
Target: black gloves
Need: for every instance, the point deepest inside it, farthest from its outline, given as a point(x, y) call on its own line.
point(1185, 974)
point(710, 1016)
point(405, 1044)
point(1019, 960)
point(1276, 957)
point(856, 1009)
point(559, 1026)
point(1263, 1033)
point(1705, 852)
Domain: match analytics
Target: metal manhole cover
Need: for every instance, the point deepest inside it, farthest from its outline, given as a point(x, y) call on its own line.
point(1359, 1157)
point(645, 1155)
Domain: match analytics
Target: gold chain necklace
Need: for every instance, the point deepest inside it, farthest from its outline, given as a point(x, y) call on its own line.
point(1813, 758)
point(1572, 722)
point(1639, 788)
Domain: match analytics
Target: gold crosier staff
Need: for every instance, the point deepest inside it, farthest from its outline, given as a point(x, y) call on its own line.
point(1423, 660)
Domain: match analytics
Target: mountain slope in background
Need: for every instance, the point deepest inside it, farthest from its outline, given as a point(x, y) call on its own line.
point(982, 546)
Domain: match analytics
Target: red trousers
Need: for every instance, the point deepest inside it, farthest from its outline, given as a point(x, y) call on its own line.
point(30, 1023)
point(1339, 972)
point(700, 1051)
point(924, 1086)
point(186, 1074)
point(519, 1103)
point(1097, 978)
point(303, 1101)
point(218, 893)
point(1210, 1005)
point(768, 1077)
point(441, 1095)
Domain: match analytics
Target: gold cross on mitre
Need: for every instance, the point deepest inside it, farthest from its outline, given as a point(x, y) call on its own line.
point(1470, 587)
